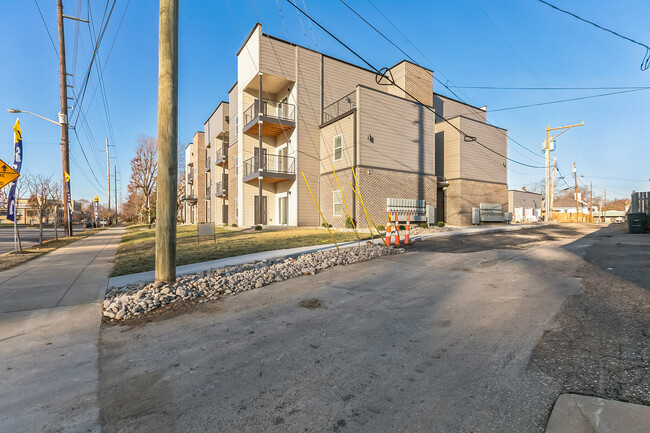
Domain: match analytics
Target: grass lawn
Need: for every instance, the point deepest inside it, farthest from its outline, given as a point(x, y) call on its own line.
point(10, 260)
point(137, 249)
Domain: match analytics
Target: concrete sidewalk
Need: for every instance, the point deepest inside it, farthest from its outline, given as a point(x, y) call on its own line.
point(50, 316)
point(193, 268)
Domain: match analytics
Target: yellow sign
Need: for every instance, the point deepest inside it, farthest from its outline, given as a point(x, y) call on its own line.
point(67, 176)
point(7, 174)
point(96, 199)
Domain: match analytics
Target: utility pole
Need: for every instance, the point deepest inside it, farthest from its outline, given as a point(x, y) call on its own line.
point(63, 120)
point(575, 177)
point(591, 202)
point(108, 178)
point(600, 220)
point(605, 206)
point(552, 197)
point(547, 149)
point(167, 142)
point(115, 180)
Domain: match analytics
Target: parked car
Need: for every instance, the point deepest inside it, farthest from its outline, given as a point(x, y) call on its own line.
point(90, 224)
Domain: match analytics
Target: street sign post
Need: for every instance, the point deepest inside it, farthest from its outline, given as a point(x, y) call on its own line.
point(96, 208)
point(7, 174)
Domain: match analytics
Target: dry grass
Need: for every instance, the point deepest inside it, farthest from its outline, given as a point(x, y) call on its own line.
point(137, 249)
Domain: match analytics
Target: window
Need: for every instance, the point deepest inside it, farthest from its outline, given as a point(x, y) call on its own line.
point(236, 208)
point(236, 165)
point(338, 148)
point(337, 203)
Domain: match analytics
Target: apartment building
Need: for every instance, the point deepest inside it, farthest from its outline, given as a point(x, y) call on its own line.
point(320, 122)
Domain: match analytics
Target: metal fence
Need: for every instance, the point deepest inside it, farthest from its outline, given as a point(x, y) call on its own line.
point(341, 106)
point(270, 164)
point(275, 109)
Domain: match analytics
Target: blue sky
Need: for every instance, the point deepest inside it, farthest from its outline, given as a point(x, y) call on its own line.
point(509, 43)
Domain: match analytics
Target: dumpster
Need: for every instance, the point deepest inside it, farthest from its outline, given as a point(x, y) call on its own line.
point(635, 222)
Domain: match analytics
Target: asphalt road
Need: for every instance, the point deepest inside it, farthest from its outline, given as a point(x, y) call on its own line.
point(28, 236)
point(436, 340)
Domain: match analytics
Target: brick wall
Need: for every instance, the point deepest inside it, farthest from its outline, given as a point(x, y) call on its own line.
point(375, 186)
point(462, 195)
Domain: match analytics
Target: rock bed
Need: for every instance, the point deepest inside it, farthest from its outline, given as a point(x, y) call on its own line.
point(135, 300)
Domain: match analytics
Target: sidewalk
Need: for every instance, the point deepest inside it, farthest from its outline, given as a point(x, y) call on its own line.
point(148, 276)
point(49, 328)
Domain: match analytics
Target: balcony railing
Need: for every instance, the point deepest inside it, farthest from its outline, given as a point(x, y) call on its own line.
point(208, 192)
point(208, 163)
point(274, 168)
point(339, 107)
point(222, 155)
point(220, 188)
point(272, 109)
point(190, 177)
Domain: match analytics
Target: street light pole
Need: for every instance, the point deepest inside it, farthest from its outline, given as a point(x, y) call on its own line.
point(63, 119)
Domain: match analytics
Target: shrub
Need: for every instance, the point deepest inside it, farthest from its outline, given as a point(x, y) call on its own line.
point(349, 223)
point(424, 226)
point(402, 227)
point(441, 224)
point(234, 225)
point(225, 224)
point(381, 228)
point(326, 225)
point(258, 227)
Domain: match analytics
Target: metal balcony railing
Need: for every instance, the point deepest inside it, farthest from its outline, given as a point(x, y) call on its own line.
point(208, 192)
point(208, 163)
point(270, 165)
point(190, 177)
point(222, 154)
point(339, 107)
point(271, 109)
point(219, 189)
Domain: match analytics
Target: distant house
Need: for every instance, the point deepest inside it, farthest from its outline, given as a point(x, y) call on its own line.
point(525, 206)
point(564, 209)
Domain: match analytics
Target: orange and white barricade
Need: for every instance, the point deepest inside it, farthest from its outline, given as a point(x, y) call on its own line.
point(408, 228)
point(388, 232)
point(396, 229)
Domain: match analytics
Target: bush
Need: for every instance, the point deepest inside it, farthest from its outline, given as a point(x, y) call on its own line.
point(258, 227)
point(402, 227)
point(326, 225)
point(424, 226)
point(441, 224)
point(381, 228)
point(234, 225)
point(349, 223)
point(225, 224)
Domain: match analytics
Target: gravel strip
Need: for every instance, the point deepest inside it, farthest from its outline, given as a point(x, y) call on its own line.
point(138, 299)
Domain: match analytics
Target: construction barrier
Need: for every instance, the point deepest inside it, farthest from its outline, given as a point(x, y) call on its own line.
point(388, 232)
point(396, 229)
point(407, 232)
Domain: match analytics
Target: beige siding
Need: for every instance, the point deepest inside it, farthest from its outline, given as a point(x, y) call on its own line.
point(232, 108)
point(308, 134)
point(449, 108)
point(277, 58)
point(478, 163)
point(448, 149)
point(412, 82)
point(248, 60)
point(395, 133)
point(345, 128)
point(341, 78)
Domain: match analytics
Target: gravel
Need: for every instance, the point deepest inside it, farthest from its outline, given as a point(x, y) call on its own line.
point(138, 299)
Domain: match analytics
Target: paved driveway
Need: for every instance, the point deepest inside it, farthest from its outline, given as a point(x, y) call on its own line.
point(437, 340)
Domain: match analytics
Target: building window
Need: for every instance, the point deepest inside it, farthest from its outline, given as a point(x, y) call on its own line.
point(337, 203)
point(236, 208)
point(338, 148)
point(236, 166)
point(237, 126)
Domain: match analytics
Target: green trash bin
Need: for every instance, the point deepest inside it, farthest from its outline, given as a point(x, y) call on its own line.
point(635, 222)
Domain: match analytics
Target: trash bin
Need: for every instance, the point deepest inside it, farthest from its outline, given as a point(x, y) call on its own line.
point(635, 222)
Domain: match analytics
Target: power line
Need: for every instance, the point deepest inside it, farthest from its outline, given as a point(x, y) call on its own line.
point(569, 100)
point(380, 74)
point(46, 28)
point(552, 88)
point(645, 63)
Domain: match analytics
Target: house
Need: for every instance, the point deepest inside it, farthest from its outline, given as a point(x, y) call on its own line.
point(325, 125)
point(525, 206)
point(564, 209)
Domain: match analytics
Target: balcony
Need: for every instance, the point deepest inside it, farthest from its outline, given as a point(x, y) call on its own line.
point(222, 157)
point(274, 168)
point(340, 107)
point(191, 199)
point(208, 190)
point(220, 189)
point(277, 118)
point(190, 178)
point(208, 164)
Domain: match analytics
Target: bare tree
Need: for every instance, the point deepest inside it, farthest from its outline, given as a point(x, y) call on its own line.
point(144, 169)
point(42, 193)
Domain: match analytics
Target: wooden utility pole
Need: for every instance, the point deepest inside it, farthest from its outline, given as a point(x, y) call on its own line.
point(605, 206)
point(115, 180)
point(63, 120)
point(591, 202)
point(108, 178)
point(167, 142)
point(552, 197)
point(575, 177)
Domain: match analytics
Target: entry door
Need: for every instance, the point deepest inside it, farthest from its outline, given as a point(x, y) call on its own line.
point(283, 207)
point(257, 210)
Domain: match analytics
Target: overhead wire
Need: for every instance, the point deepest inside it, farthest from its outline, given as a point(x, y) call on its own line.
point(580, 98)
point(47, 28)
point(380, 74)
